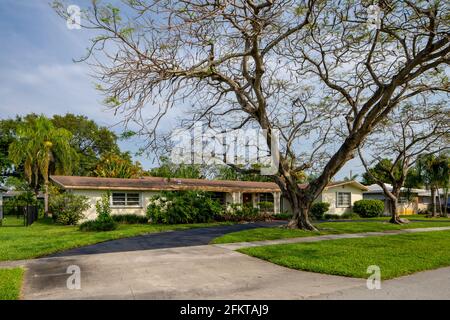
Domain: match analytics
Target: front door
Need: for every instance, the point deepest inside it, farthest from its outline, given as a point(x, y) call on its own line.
point(247, 199)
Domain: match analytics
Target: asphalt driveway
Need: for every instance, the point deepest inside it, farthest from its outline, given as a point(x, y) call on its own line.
point(161, 240)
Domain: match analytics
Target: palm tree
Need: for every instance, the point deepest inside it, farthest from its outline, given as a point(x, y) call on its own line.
point(434, 173)
point(41, 148)
point(351, 177)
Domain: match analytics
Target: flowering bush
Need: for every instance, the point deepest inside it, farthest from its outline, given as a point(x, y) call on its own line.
point(239, 212)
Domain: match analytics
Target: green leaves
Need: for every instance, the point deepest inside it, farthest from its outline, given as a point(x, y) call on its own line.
point(117, 166)
point(38, 146)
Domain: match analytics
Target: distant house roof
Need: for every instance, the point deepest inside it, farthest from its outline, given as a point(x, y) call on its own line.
point(375, 189)
point(158, 183)
point(13, 193)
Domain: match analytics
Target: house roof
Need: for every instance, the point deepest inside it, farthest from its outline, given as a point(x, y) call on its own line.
point(353, 183)
point(158, 183)
point(375, 189)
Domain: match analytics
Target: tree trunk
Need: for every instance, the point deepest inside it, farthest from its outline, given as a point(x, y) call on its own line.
point(46, 201)
point(446, 203)
point(439, 201)
point(393, 203)
point(300, 219)
point(433, 201)
point(395, 217)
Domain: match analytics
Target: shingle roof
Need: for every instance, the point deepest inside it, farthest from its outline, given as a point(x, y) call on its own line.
point(157, 183)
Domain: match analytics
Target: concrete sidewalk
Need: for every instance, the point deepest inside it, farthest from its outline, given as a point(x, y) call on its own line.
point(240, 245)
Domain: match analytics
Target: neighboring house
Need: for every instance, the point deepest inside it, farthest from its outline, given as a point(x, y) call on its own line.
point(132, 196)
point(340, 195)
point(409, 202)
point(425, 199)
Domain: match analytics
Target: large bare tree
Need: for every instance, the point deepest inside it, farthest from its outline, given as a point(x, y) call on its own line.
point(311, 69)
point(407, 134)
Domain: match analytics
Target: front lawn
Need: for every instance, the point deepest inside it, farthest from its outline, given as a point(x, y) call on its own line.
point(12, 221)
point(274, 233)
point(44, 237)
point(10, 283)
point(396, 255)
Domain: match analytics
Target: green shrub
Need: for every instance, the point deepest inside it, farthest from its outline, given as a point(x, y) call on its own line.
point(266, 207)
point(95, 225)
point(183, 207)
point(68, 208)
point(368, 208)
point(318, 209)
point(129, 219)
point(104, 221)
point(282, 216)
point(350, 215)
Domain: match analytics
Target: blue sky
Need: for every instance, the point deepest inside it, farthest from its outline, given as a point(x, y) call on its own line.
point(37, 73)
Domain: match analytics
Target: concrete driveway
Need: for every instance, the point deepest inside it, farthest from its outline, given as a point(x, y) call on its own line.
point(195, 272)
point(179, 265)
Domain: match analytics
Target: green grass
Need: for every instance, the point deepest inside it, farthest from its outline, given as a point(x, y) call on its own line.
point(44, 237)
point(274, 233)
point(10, 283)
point(396, 255)
point(12, 221)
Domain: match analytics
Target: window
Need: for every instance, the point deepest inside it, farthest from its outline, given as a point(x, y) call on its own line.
point(266, 197)
point(125, 199)
point(344, 199)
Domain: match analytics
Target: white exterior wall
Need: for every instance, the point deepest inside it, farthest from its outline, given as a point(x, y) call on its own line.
point(229, 198)
point(330, 195)
point(96, 195)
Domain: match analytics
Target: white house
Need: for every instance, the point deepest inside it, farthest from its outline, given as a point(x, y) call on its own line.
point(341, 196)
point(132, 196)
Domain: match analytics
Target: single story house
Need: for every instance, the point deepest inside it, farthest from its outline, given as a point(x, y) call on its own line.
point(411, 201)
point(132, 196)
